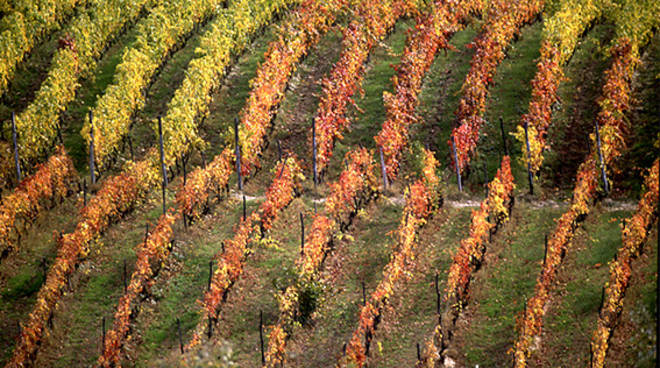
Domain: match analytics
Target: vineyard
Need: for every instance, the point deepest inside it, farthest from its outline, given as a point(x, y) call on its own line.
point(340, 183)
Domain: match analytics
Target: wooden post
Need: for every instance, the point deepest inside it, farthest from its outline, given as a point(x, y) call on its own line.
point(92, 168)
point(210, 274)
point(485, 169)
point(16, 156)
point(59, 132)
point(314, 153)
point(506, 149)
point(529, 163)
point(606, 185)
point(545, 254)
point(364, 294)
point(437, 294)
point(279, 150)
point(458, 169)
point(130, 147)
point(244, 209)
point(419, 353)
point(162, 160)
point(302, 234)
point(210, 331)
point(261, 336)
point(238, 155)
point(183, 163)
point(203, 157)
point(125, 278)
point(103, 340)
point(178, 328)
point(146, 231)
point(382, 168)
point(42, 264)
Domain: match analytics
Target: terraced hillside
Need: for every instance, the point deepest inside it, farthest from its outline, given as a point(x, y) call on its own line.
point(341, 183)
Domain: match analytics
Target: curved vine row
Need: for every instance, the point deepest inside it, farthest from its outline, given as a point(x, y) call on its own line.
point(613, 103)
point(505, 19)
point(230, 33)
point(230, 262)
point(297, 36)
point(51, 183)
point(356, 186)
point(633, 235)
point(373, 19)
point(87, 36)
point(422, 201)
point(24, 26)
point(561, 34)
point(493, 211)
point(117, 196)
point(154, 249)
point(157, 35)
point(138, 181)
point(431, 33)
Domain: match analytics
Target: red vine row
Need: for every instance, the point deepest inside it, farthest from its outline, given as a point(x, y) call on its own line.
point(153, 250)
point(423, 199)
point(298, 35)
point(431, 33)
point(230, 262)
point(505, 19)
point(633, 235)
point(493, 211)
point(50, 184)
point(117, 196)
point(373, 19)
point(356, 186)
point(614, 102)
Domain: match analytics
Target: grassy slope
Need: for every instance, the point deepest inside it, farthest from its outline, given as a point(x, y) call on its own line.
point(196, 248)
point(500, 288)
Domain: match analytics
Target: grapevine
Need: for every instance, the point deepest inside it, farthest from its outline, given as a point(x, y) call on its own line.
point(633, 236)
point(613, 103)
point(505, 20)
point(230, 33)
point(287, 181)
point(493, 211)
point(561, 35)
point(154, 249)
point(373, 19)
point(157, 35)
point(431, 33)
point(356, 185)
point(421, 203)
point(24, 26)
point(117, 196)
point(89, 33)
point(50, 184)
point(297, 36)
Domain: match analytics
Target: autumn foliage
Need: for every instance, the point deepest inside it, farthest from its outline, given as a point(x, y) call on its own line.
point(373, 19)
point(493, 211)
point(505, 19)
point(150, 253)
point(422, 200)
point(117, 196)
point(431, 33)
point(297, 35)
point(634, 233)
point(562, 32)
point(614, 101)
point(230, 262)
point(49, 185)
point(356, 186)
